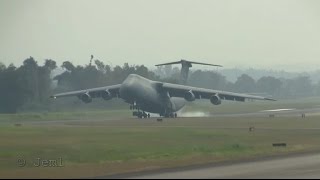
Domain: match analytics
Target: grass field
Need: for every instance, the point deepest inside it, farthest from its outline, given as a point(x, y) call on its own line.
point(98, 143)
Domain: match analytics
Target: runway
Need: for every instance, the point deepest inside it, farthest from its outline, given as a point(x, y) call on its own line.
point(303, 166)
point(258, 114)
point(276, 112)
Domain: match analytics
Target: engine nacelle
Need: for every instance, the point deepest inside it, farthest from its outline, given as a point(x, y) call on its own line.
point(106, 95)
point(86, 97)
point(215, 99)
point(189, 96)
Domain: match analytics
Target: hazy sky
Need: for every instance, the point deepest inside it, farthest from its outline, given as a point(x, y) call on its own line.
point(240, 33)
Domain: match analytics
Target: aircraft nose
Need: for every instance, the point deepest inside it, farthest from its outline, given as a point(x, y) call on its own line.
point(127, 89)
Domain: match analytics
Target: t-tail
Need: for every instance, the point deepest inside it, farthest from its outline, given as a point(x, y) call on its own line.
point(185, 68)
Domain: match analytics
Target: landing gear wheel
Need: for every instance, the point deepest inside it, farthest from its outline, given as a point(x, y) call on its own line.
point(140, 114)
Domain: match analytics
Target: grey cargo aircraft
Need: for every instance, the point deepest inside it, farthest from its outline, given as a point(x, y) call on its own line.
point(149, 96)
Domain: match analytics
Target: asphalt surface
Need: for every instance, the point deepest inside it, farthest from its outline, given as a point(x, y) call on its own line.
point(303, 166)
point(265, 113)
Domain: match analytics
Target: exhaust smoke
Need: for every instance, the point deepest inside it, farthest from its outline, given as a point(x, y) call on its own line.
point(193, 114)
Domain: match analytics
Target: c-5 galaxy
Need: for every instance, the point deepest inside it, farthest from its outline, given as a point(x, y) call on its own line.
point(146, 96)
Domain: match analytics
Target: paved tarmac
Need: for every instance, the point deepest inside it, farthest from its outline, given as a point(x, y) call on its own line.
point(276, 112)
point(303, 166)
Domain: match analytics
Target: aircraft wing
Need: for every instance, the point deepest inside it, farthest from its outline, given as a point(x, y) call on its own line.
point(176, 90)
point(94, 92)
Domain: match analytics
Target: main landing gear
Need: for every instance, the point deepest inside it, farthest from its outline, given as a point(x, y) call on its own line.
point(140, 114)
point(171, 115)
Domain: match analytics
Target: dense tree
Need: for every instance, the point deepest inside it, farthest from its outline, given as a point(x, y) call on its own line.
point(269, 85)
point(2, 67)
point(12, 92)
point(207, 79)
point(45, 80)
point(68, 66)
point(245, 84)
point(27, 88)
point(100, 65)
point(29, 78)
point(299, 86)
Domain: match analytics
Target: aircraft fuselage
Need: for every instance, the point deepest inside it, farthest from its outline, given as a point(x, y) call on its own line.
point(148, 97)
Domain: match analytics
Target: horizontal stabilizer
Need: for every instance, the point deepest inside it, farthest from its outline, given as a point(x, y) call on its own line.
point(204, 64)
point(188, 62)
point(177, 62)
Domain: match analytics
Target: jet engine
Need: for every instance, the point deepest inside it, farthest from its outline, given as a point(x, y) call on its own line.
point(106, 95)
point(86, 97)
point(189, 96)
point(215, 99)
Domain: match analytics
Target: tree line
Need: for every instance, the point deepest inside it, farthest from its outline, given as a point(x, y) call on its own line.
point(28, 87)
point(266, 86)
